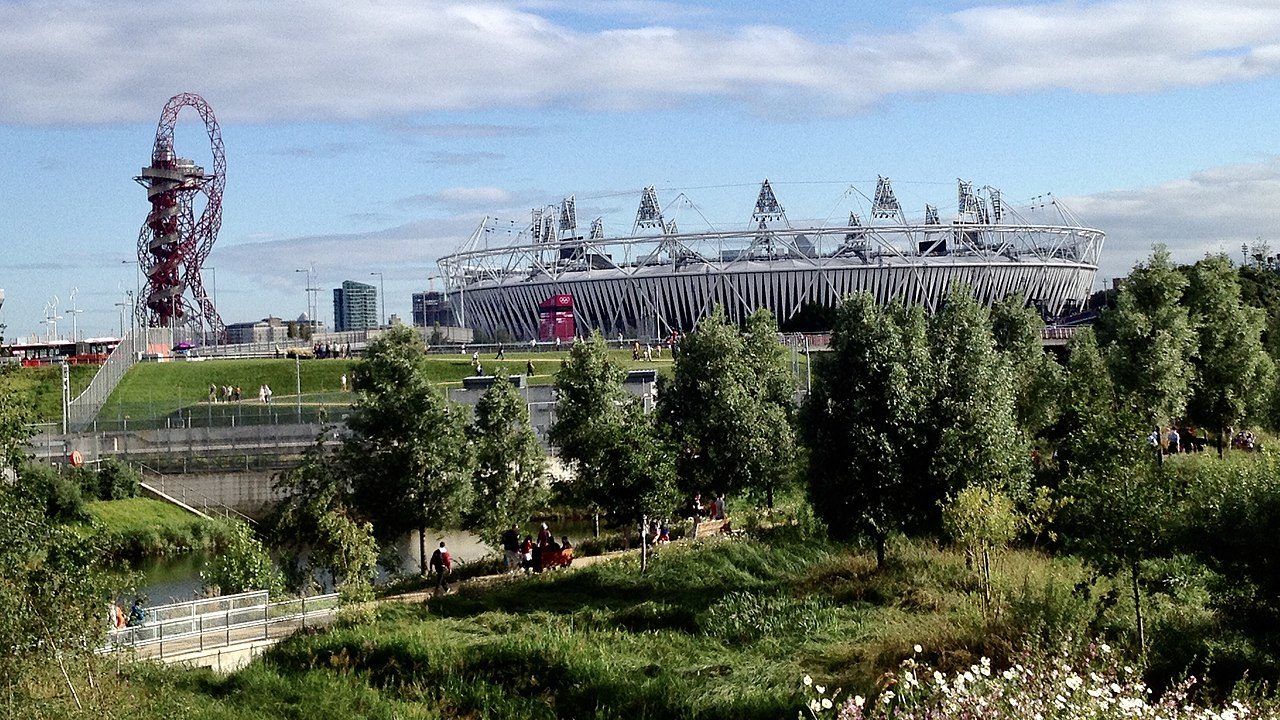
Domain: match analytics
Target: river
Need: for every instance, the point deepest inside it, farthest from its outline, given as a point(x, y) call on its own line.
point(177, 578)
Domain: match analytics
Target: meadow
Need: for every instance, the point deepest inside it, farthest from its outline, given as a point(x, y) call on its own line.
point(721, 629)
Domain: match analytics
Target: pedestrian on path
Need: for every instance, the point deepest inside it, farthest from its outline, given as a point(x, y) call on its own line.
point(442, 564)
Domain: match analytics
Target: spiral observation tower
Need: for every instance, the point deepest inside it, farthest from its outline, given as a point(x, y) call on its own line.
point(174, 243)
point(657, 279)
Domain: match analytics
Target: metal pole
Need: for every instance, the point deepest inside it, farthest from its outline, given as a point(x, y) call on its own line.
point(66, 396)
point(297, 373)
point(382, 292)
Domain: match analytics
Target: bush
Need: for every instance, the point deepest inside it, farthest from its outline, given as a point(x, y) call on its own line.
point(117, 481)
point(58, 494)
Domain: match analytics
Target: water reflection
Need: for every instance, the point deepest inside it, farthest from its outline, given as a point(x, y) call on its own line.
point(177, 578)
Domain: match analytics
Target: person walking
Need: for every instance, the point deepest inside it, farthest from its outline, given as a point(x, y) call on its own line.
point(1173, 440)
point(528, 369)
point(344, 382)
point(442, 564)
point(511, 548)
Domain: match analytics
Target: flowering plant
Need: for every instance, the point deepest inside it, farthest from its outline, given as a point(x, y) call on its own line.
point(1092, 684)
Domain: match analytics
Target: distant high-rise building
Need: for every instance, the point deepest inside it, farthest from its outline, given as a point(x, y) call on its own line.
point(355, 306)
point(430, 309)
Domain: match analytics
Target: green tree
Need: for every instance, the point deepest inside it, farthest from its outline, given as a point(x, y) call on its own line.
point(1150, 341)
point(407, 453)
point(314, 520)
point(589, 395)
point(727, 408)
point(1037, 378)
point(982, 521)
point(620, 464)
point(510, 468)
point(1122, 510)
point(774, 391)
point(978, 438)
point(1233, 372)
point(862, 424)
point(1089, 419)
point(242, 565)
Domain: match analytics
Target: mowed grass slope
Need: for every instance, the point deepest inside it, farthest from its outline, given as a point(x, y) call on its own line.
point(43, 387)
point(726, 629)
point(143, 526)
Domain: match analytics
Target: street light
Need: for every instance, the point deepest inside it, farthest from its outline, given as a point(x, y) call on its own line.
point(311, 290)
point(382, 292)
point(137, 289)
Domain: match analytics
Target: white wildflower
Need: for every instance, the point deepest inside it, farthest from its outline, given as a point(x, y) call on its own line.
point(808, 680)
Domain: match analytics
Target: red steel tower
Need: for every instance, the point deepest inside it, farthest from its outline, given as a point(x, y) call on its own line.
point(173, 243)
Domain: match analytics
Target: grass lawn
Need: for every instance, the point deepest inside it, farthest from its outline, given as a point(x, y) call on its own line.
point(152, 390)
point(725, 629)
point(43, 385)
point(142, 526)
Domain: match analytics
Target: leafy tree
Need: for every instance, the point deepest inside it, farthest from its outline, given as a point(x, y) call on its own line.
point(1089, 419)
point(641, 477)
point(620, 463)
point(407, 453)
point(981, 520)
point(510, 468)
point(315, 521)
point(862, 423)
point(728, 406)
point(978, 437)
point(1150, 341)
point(1037, 379)
point(774, 391)
point(589, 393)
point(243, 565)
point(1122, 511)
point(1233, 371)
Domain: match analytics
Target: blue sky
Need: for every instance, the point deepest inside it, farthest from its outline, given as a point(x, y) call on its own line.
point(373, 137)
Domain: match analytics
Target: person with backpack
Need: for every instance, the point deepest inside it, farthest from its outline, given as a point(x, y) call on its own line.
point(442, 564)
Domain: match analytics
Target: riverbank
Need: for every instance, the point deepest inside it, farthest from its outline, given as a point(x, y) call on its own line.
point(142, 527)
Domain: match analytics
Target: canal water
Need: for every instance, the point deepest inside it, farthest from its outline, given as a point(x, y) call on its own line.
point(177, 579)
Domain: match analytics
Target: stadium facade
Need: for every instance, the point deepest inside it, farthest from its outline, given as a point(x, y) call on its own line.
point(658, 279)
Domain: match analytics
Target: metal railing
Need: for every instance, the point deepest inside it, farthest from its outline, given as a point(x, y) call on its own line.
point(84, 407)
point(217, 622)
point(171, 489)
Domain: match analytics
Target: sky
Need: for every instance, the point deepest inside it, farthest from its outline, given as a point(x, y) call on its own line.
point(373, 137)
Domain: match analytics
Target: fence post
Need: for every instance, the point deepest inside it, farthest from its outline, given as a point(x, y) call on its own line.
point(200, 619)
point(266, 629)
point(227, 625)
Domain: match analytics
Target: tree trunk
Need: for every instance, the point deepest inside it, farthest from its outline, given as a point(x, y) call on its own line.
point(422, 551)
point(644, 545)
point(768, 496)
point(1222, 442)
point(986, 580)
point(595, 530)
point(1137, 609)
point(881, 541)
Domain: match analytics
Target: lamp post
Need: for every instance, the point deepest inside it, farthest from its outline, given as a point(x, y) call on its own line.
point(311, 290)
point(382, 293)
point(137, 291)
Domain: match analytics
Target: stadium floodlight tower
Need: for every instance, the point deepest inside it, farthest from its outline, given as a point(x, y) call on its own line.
point(173, 244)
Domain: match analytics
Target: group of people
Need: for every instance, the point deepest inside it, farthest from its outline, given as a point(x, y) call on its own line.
point(225, 393)
point(1174, 440)
point(529, 555)
point(136, 616)
point(230, 393)
point(331, 350)
point(648, 353)
point(1245, 440)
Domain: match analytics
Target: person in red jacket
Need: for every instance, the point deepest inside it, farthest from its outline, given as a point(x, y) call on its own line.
point(442, 564)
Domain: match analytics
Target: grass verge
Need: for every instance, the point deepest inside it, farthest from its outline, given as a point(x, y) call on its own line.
point(143, 527)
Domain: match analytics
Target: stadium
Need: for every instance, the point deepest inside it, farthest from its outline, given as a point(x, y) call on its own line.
point(550, 280)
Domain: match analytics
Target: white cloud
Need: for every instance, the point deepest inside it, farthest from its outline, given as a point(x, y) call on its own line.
point(1215, 210)
point(75, 61)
